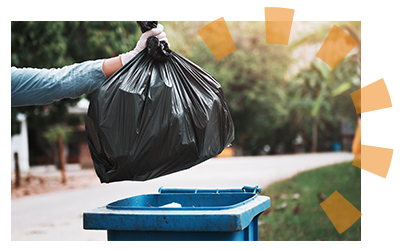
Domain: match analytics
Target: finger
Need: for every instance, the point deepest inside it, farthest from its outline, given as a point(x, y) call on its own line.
point(160, 26)
point(163, 39)
point(153, 32)
point(158, 30)
point(161, 36)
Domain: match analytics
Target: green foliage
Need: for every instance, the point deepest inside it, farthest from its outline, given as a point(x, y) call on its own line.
point(56, 44)
point(267, 105)
point(94, 40)
point(323, 94)
point(310, 222)
point(253, 84)
point(319, 35)
point(15, 125)
point(268, 108)
point(52, 133)
point(37, 44)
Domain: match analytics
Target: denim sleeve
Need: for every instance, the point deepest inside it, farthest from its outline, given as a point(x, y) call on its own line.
point(30, 86)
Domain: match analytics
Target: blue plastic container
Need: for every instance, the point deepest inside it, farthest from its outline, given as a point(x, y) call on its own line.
point(226, 214)
point(336, 146)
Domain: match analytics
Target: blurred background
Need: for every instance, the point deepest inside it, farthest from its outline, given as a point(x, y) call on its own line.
point(283, 99)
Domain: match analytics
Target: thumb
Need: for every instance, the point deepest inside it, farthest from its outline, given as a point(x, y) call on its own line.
point(153, 32)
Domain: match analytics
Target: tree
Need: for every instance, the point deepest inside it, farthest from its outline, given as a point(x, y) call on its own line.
point(319, 35)
point(57, 135)
point(318, 100)
point(344, 78)
point(309, 95)
point(268, 108)
point(56, 44)
point(253, 82)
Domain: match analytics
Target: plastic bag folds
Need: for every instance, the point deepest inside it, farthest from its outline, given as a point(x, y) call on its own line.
point(156, 117)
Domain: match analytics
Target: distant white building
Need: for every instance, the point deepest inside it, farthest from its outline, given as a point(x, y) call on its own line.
point(19, 144)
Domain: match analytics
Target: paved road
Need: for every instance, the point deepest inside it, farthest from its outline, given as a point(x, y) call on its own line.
point(58, 216)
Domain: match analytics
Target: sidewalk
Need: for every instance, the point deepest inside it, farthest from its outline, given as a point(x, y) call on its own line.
point(58, 215)
point(46, 179)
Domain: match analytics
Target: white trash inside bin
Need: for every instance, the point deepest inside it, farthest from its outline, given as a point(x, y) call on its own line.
point(173, 204)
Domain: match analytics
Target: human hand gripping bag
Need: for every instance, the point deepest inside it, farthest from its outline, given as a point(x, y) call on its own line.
point(158, 114)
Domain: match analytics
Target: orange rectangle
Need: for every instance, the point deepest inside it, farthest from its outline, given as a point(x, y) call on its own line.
point(277, 32)
point(218, 38)
point(278, 24)
point(336, 46)
point(374, 159)
point(278, 14)
point(375, 96)
point(371, 97)
point(340, 211)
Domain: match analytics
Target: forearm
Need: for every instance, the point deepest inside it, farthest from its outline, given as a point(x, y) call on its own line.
point(111, 65)
point(43, 86)
point(31, 86)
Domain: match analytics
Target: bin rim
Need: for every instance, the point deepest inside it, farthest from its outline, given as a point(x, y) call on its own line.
point(234, 219)
point(245, 189)
point(149, 207)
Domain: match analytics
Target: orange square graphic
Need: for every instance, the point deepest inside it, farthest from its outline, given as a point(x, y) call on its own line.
point(374, 159)
point(278, 32)
point(356, 147)
point(356, 97)
point(218, 38)
point(336, 46)
point(340, 211)
point(278, 14)
point(278, 24)
point(371, 97)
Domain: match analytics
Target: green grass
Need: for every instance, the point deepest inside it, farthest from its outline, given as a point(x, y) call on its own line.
point(310, 223)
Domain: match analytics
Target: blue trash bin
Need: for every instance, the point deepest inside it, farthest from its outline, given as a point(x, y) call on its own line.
point(202, 214)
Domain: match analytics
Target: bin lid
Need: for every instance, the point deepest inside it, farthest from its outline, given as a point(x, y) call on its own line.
point(195, 210)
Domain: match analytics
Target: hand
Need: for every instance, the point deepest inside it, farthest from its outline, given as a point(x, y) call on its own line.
point(141, 44)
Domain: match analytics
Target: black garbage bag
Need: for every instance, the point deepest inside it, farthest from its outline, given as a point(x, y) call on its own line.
point(158, 114)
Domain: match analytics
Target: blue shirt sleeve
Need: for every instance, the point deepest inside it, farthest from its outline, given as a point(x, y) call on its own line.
point(30, 86)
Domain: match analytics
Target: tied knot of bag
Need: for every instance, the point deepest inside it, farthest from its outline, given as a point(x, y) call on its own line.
point(147, 25)
point(156, 49)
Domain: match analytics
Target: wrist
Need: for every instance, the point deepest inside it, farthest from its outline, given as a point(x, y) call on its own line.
point(129, 55)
